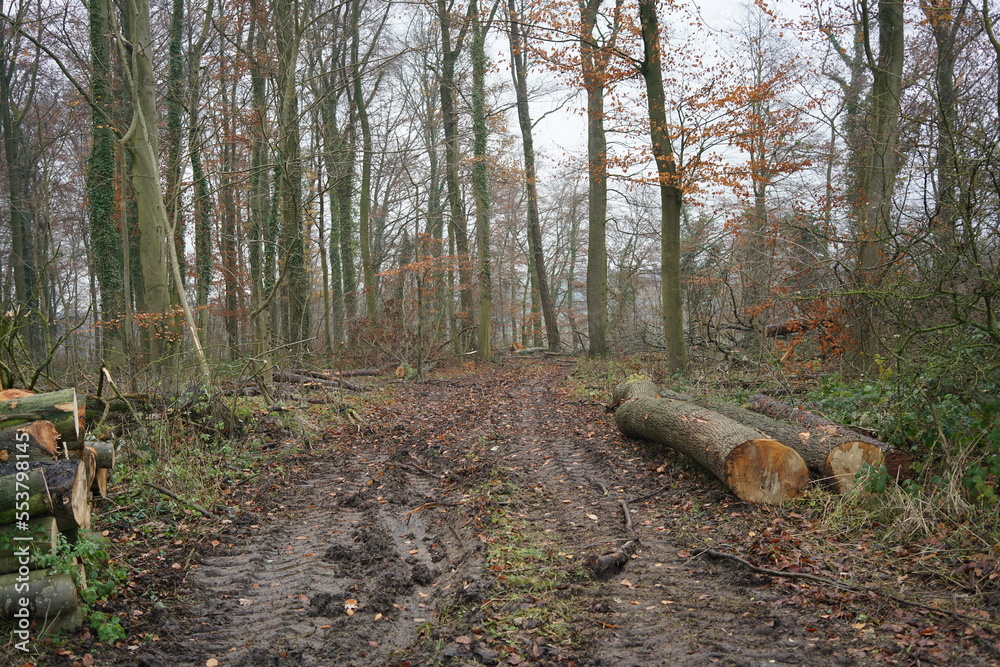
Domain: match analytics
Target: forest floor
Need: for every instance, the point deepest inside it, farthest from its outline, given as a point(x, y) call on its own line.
point(454, 527)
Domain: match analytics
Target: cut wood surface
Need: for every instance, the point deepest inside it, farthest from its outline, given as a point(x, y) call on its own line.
point(44, 533)
point(59, 407)
point(754, 467)
point(100, 484)
point(49, 595)
point(39, 440)
point(65, 488)
point(834, 459)
point(104, 451)
point(850, 451)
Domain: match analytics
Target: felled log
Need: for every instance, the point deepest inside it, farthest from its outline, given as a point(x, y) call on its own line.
point(44, 533)
point(756, 468)
point(59, 407)
point(104, 452)
point(99, 487)
point(36, 503)
point(849, 450)
point(49, 595)
point(38, 440)
point(828, 457)
point(297, 378)
point(333, 375)
point(62, 490)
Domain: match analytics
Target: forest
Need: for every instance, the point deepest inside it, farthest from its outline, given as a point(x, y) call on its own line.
point(187, 183)
point(504, 220)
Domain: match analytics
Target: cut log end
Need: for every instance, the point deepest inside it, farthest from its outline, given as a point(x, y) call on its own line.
point(846, 459)
point(766, 471)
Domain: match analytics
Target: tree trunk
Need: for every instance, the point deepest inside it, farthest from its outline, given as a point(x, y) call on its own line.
point(44, 534)
point(142, 143)
point(835, 459)
point(37, 440)
point(875, 227)
point(849, 450)
point(59, 407)
point(481, 185)
point(364, 203)
point(594, 65)
point(457, 227)
point(671, 197)
point(49, 595)
point(105, 238)
point(519, 57)
point(293, 240)
point(60, 486)
point(755, 468)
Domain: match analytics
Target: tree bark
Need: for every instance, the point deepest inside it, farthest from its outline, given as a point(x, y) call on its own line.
point(671, 196)
point(755, 468)
point(44, 538)
point(835, 459)
point(594, 66)
point(49, 595)
point(59, 407)
point(59, 486)
point(519, 70)
point(38, 440)
point(849, 450)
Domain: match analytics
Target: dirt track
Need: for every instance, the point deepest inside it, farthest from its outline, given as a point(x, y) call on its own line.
point(408, 525)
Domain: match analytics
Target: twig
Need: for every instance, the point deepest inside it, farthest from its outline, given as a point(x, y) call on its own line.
point(649, 495)
point(415, 468)
point(839, 584)
point(171, 494)
point(628, 516)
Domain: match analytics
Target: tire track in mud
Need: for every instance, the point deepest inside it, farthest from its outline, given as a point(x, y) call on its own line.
point(383, 518)
point(664, 608)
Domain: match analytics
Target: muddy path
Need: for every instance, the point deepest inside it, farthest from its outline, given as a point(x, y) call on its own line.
point(454, 528)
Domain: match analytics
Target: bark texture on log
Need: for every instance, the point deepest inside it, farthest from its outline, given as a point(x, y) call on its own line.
point(64, 491)
point(833, 458)
point(756, 468)
point(849, 450)
point(59, 407)
point(38, 440)
point(49, 595)
point(33, 483)
point(103, 449)
point(44, 534)
point(311, 379)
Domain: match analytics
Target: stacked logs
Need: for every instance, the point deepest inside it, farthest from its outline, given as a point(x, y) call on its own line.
point(764, 453)
point(48, 475)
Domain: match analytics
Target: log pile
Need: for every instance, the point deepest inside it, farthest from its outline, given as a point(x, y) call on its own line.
point(738, 445)
point(48, 476)
point(755, 467)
